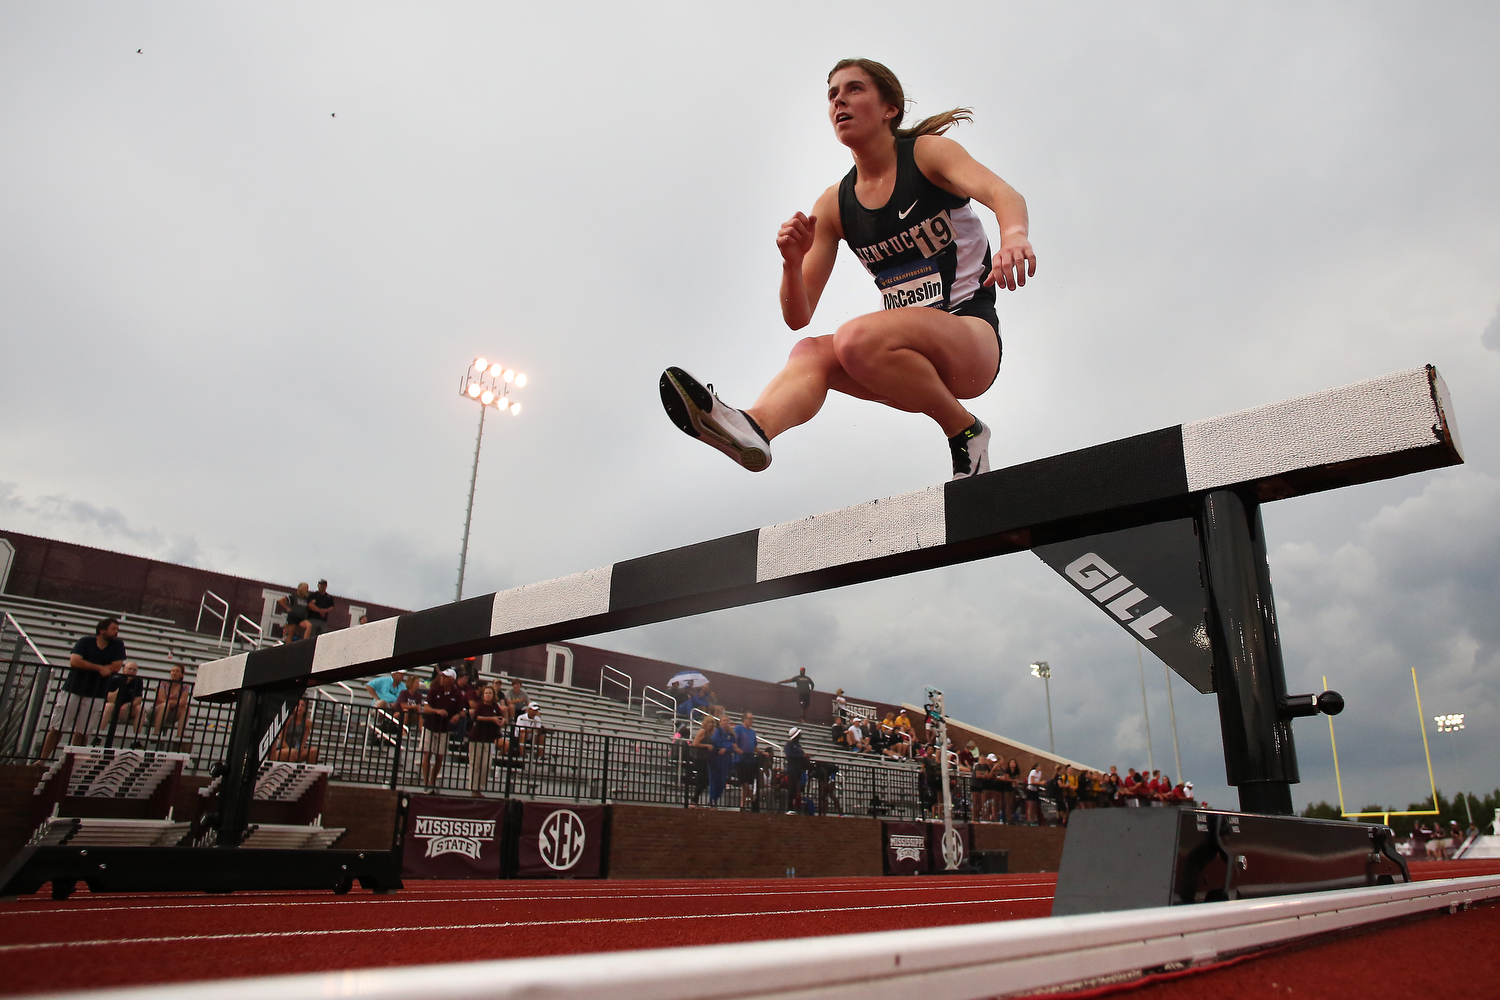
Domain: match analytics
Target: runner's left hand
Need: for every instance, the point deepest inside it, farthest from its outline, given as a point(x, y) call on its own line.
point(1015, 262)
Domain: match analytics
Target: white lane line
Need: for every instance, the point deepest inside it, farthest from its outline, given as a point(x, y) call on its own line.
point(229, 903)
point(252, 935)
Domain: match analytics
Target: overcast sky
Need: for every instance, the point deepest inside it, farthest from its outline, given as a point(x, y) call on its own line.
point(243, 268)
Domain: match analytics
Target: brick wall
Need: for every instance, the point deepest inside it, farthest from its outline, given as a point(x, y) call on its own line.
point(367, 814)
point(659, 842)
point(1032, 848)
point(17, 824)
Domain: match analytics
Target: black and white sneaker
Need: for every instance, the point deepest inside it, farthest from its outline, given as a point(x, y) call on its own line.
point(699, 413)
point(971, 450)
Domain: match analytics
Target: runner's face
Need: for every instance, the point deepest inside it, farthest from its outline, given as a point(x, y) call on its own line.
point(855, 106)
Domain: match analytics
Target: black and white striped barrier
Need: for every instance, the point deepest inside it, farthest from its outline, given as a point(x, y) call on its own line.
point(1378, 429)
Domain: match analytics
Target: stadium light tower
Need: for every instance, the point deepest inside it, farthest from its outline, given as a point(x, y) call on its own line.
point(1042, 670)
point(1452, 724)
point(488, 384)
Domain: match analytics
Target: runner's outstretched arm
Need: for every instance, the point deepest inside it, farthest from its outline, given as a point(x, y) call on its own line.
point(809, 245)
point(949, 166)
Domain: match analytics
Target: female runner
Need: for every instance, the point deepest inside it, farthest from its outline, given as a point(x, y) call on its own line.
point(904, 211)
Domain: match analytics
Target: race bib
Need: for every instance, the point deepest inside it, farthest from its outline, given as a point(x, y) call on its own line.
point(919, 284)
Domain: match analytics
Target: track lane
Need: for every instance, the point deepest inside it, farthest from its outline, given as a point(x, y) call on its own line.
point(94, 941)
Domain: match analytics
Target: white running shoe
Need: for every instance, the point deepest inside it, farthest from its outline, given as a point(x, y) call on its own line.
point(971, 451)
point(699, 413)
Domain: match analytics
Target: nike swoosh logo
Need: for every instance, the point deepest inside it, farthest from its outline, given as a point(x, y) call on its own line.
point(902, 215)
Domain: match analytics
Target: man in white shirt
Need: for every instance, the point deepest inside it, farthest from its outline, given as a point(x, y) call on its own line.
point(529, 729)
point(1034, 783)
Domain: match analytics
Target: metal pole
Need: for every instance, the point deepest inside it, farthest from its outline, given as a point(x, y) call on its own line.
point(1141, 665)
point(1047, 686)
point(1172, 710)
point(463, 555)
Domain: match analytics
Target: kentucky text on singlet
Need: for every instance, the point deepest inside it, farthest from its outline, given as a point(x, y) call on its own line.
point(923, 247)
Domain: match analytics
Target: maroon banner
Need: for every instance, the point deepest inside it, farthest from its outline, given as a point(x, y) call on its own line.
point(935, 845)
point(452, 838)
point(905, 848)
point(560, 841)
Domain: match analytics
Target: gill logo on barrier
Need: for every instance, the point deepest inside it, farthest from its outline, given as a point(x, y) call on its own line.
point(269, 736)
point(1103, 583)
point(561, 839)
point(908, 848)
point(450, 835)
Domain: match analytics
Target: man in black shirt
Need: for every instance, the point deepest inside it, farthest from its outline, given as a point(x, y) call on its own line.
point(319, 610)
point(80, 703)
point(805, 687)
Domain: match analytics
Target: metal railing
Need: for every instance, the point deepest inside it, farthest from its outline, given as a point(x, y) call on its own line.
point(248, 631)
point(665, 702)
point(21, 689)
point(219, 609)
point(610, 674)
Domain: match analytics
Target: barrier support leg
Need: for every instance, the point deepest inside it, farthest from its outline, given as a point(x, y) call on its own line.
point(1260, 757)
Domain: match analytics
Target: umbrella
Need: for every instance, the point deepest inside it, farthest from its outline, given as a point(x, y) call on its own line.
point(688, 679)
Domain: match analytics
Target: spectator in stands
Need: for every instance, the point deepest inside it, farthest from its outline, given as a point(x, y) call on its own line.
point(458, 731)
point(855, 737)
point(1111, 782)
point(517, 698)
point(903, 723)
point(319, 610)
point(1007, 777)
point(748, 760)
point(840, 707)
point(294, 743)
point(678, 696)
point(1182, 795)
point(982, 789)
point(442, 705)
point(967, 757)
point(80, 704)
point(796, 766)
point(294, 606)
point(530, 732)
point(169, 710)
point(484, 737)
point(700, 699)
point(125, 693)
point(1034, 784)
point(805, 688)
point(1067, 787)
point(721, 758)
point(385, 691)
point(409, 702)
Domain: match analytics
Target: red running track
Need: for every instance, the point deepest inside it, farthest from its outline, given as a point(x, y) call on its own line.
point(94, 941)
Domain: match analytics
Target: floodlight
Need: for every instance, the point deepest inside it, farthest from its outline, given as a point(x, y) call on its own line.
point(509, 375)
point(1041, 669)
point(473, 388)
point(481, 364)
point(515, 409)
point(1449, 723)
point(487, 398)
point(495, 368)
point(520, 381)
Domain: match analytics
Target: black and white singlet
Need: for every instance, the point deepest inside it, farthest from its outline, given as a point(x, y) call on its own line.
point(924, 247)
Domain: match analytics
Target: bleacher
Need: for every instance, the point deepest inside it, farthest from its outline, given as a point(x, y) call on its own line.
point(157, 644)
point(341, 719)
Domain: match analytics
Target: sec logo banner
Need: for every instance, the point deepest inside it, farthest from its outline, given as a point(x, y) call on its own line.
point(562, 840)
